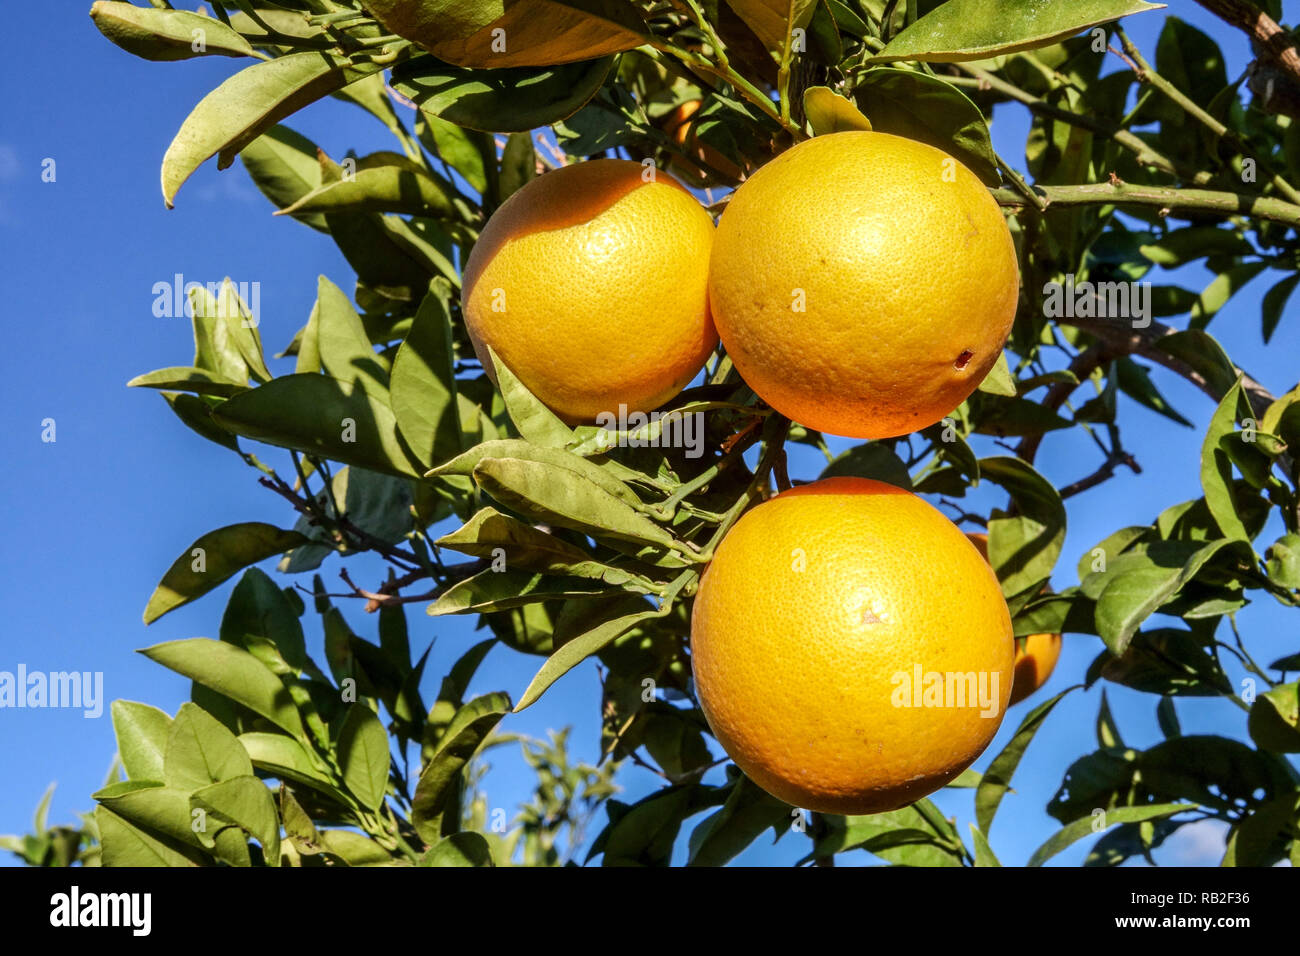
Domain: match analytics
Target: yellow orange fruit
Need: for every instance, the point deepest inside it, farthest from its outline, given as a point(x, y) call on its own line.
point(863, 284)
point(1036, 655)
point(820, 613)
point(591, 284)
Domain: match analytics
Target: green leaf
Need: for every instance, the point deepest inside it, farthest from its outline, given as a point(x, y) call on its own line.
point(1073, 832)
point(142, 733)
point(463, 150)
point(323, 416)
point(536, 423)
point(1107, 730)
point(1283, 561)
point(233, 673)
point(342, 344)
point(248, 104)
point(1167, 661)
point(1275, 719)
point(451, 692)
point(469, 32)
point(465, 848)
point(491, 590)
point(1024, 549)
point(200, 750)
point(1216, 467)
point(1275, 300)
point(247, 803)
point(999, 380)
point(995, 783)
point(363, 756)
point(260, 619)
point(828, 112)
point(385, 183)
point(489, 534)
point(644, 834)
point(725, 833)
point(1167, 718)
point(984, 855)
point(1195, 242)
point(423, 385)
point(978, 29)
point(287, 759)
point(1261, 838)
point(217, 347)
point(354, 849)
point(904, 837)
point(871, 460)
point(568, 498)
point(1205, 356)
point(166, 34)
point(1012, 417)
point(1133, 592)
point(197, 414)
point(774, 21)
point(1223, 287)
point(464, 735)
point(507, 100)
point(197, 380)
point(925, 108)
point(518, 448)
point(577, 650)
point(1135, 382)
point(214, 558)
point(160, 810)
point(122, 845)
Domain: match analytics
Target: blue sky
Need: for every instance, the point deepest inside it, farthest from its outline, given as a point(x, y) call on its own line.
point(94, 518)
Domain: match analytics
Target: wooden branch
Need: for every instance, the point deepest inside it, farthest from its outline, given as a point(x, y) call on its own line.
point(1262, 28)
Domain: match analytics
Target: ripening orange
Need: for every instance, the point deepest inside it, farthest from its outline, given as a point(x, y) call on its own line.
point(822, 612)
point(1036, 655)
point(591, 284)
point(863, 284)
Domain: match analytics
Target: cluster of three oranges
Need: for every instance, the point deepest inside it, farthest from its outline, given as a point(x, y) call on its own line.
point(862, 284)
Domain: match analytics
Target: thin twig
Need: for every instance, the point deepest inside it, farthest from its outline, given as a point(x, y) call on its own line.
point(1103, 473)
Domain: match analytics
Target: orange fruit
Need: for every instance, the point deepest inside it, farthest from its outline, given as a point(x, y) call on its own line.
point(591, 284)
point(680, 128)
point(863, 284)
point(1036, 655)
point(820, 613)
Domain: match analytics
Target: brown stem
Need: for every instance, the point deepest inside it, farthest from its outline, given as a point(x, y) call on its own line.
point(1248, 17)
point(345, 527)
point(1082, 367)
point(1103, 473)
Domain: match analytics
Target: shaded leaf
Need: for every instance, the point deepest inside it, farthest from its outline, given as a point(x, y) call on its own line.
point(214, 558)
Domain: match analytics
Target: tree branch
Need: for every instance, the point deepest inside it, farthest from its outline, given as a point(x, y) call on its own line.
point(342, 525)
point(1261, 27)
point(1103, 473)
point(1120, 193)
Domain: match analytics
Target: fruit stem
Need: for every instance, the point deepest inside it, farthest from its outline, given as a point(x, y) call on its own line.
point(724, 72)
point(775, 431)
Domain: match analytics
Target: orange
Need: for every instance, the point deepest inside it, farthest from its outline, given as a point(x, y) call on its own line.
point(680, 128)
point(820, 613)
point(591, 284)
point(1036, 655)
point(863, 284)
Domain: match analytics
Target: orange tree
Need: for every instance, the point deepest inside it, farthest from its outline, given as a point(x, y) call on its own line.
point(568, 540)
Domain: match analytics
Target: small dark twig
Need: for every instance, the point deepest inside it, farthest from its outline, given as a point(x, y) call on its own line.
point(343, 528)
point(1103, 473)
